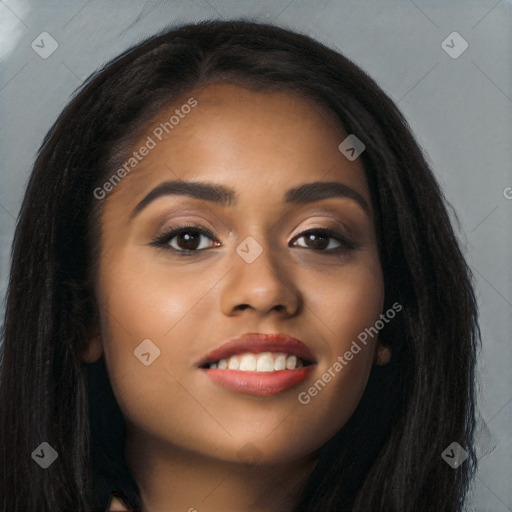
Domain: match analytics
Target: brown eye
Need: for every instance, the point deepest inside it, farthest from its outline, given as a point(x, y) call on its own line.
point(316, 241)
point(325, 240)
point(186, 240)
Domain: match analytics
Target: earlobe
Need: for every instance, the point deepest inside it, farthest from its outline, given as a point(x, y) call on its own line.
point(92, 350)
point(382, 354)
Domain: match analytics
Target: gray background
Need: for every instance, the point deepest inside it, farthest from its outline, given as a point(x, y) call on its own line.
point(458, 108)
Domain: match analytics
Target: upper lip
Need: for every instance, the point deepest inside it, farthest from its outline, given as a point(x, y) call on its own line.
point(255, 343)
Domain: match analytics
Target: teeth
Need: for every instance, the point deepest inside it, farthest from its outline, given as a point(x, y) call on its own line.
point(248, 363)
point(280, 362)
point(233, 363)
point(263, 362)
point(291, 362)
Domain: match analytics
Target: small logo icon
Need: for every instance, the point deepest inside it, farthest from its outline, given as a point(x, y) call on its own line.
point(44, 45)
point(351, 147)
point(147, 352)
point(45, 455)
point(454, 45)
point(249, 249)
point(454, 455)
point(249, 453)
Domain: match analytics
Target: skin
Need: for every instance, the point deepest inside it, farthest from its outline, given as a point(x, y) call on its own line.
point(186, 434)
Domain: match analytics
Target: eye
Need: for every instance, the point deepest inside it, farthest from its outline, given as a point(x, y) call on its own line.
point(185, 240)
point(190, 239)
point(318, 239)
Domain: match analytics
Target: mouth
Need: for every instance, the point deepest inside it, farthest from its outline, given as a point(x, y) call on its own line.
point(262, 362)
point(259, 364)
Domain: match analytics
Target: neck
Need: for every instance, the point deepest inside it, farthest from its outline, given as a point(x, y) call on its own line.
point(170, 478)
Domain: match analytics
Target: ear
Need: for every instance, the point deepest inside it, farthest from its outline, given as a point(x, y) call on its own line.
point(382, 354)
point(91, 350)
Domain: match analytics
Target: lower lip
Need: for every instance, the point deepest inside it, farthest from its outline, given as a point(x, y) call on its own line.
point(259, 383)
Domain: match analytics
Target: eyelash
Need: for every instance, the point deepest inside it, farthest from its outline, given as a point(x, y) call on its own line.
point(162, 241)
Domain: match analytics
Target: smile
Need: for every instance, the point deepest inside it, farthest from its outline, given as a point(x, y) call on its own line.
point(259, 364)
point(262, 374)
point(262, 362)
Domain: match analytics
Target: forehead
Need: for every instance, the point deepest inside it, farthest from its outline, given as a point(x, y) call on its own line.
point(262, 141)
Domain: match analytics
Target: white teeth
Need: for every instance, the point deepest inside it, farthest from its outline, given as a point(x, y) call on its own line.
point(233, 363)
point(248, 363)
point(280, 362)
point(262, 362)
point(291, 361)
point(265, 363)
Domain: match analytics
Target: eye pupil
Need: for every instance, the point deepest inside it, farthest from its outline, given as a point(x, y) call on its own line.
point(190, 242)
point(317, 241)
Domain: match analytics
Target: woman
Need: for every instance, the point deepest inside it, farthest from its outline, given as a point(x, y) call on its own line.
point(240, 290)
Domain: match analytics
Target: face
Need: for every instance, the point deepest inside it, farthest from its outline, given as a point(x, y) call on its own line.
point(253, 263)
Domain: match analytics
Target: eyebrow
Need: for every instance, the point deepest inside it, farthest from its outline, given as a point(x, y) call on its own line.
point(303, 194)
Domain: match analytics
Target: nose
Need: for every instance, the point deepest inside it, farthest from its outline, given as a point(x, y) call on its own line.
point(264, 285)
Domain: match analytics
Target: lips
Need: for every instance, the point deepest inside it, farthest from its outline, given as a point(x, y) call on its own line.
point(279, 363)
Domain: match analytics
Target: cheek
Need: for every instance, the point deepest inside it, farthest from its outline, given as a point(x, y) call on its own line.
point(350, 307)
point(134, 308)
point(347, 313)
point(139, 311)
point(142, 301)
point(148, 309)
